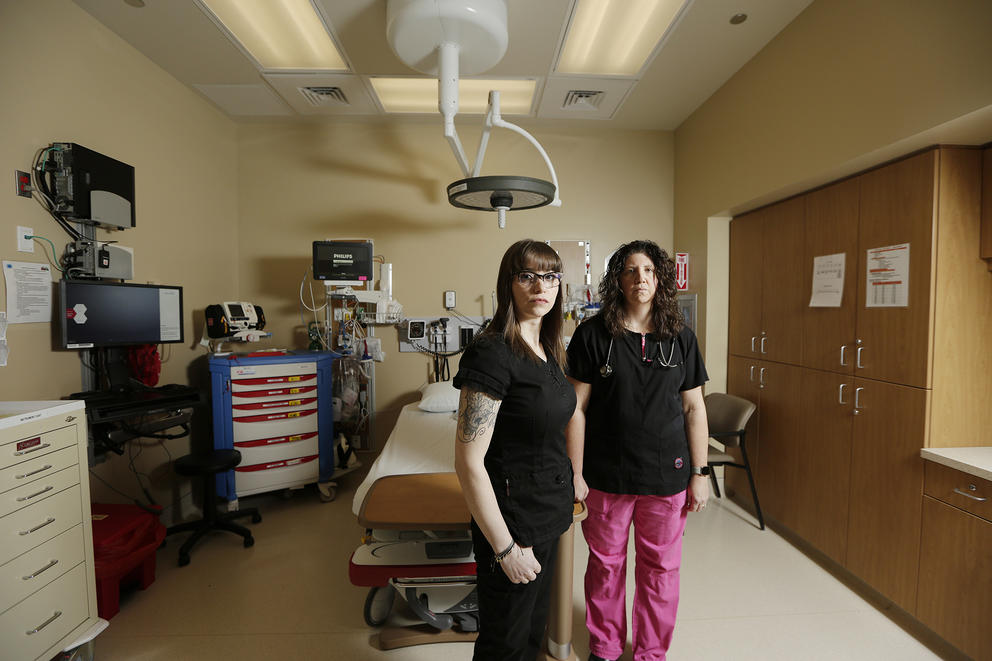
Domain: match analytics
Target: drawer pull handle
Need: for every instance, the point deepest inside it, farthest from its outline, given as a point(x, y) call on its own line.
point(843, 350)
point(965, 493)
point(840, 393)
point(35, 494)
point(40, 470)
point(763, 338)
point(44, 624)
point(51, 519)
point(34, 449)
point(45, 568)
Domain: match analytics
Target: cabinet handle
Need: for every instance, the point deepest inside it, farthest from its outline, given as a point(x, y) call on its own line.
point(840, 393)
point(761, 378)
point(965, 493)
point(43, 468)
point(35, 494)
point(44, 624)
point(763, 338)
point(843, 350)
point(753, 338)
point(51, 519)
point(857, 400)
point(858, 356)
point(34, 449)
point(751, 370)
point(45, 568)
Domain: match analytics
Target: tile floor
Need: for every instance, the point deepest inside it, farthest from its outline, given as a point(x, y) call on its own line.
point(746, 594)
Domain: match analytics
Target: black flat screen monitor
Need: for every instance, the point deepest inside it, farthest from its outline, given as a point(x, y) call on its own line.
point(343, 262)
point(98, 314)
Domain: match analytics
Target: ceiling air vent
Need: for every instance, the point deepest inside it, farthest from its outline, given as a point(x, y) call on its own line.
point(324, 96)
point(580, 100)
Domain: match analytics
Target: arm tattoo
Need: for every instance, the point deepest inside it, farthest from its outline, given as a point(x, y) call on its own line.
point(475, 415)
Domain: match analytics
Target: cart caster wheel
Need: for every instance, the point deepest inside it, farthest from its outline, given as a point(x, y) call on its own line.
point(378, 605)
point(256, 518)
point(249, 542)
point(327, 494)
point(183, 559)
point(287, 494)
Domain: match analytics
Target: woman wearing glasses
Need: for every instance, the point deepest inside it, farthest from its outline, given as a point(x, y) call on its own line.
point(638, 442)
point(510, 451)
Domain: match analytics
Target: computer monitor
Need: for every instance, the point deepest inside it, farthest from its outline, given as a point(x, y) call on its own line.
point(97, 314)
point(343, 262)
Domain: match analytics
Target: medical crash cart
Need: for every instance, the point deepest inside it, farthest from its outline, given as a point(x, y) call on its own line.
point(275, 408)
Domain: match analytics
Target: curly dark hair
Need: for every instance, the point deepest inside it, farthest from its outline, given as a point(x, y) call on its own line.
point(666, 318)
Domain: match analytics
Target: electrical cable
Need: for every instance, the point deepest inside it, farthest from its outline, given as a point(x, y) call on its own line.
point(54, 255)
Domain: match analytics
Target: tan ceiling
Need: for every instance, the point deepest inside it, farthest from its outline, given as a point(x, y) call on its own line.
point(700, 53)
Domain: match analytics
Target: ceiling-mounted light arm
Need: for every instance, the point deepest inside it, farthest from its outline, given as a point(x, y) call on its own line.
point(493, 118)
point(447, 103)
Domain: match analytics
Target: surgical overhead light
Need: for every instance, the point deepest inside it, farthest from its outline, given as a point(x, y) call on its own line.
point(443, 38)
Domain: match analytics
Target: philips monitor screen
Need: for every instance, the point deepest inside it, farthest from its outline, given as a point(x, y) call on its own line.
point(344, 262)
point(110, 314)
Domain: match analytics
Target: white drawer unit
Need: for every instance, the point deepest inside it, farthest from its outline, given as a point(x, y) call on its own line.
point(47, 582)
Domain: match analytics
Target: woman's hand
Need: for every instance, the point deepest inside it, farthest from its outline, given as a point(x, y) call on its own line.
point(581, 488)
point(699, 493)
point(520, 566)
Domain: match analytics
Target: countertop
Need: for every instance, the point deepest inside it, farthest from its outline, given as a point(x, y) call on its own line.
point(975, 461)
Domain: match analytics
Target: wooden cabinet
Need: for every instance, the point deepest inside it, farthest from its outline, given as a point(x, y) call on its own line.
point(47, 580)
point(824, 489)
point(986, 246)
point(838, 444)
point(886, 486)
point(829, 333)
point(743, 381)
point(766, 286)
point(955, 587)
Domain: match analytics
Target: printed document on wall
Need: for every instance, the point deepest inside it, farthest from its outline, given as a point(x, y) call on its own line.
point(887, 278)
point(29, 292)
point(828, 281)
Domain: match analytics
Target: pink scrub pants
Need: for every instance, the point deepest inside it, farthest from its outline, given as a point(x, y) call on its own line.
point(658, 525)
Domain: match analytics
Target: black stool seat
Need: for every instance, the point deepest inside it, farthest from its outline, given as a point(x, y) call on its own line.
point(207, 465)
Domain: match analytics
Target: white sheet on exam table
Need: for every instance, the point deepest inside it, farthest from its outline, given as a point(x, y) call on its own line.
point(420, 442)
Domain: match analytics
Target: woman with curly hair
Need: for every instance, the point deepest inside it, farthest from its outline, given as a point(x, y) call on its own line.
point(638, 444)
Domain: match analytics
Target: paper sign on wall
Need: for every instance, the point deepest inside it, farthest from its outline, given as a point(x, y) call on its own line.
point(828, 281)
point(29, 292)
point(887, 277)
point(681, 271)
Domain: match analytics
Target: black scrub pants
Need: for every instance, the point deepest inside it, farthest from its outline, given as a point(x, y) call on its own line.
point(512, 616)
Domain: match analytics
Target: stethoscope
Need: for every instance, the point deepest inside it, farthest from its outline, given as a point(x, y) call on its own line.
point(607, 369)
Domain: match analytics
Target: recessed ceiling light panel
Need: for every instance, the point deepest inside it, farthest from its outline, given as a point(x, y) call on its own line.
point(278, 34)
point(616, 37)
point(420, 95)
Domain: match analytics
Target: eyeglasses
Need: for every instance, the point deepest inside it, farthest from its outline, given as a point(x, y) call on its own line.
point(528, 278)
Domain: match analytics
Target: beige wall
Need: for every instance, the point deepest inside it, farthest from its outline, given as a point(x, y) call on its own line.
point(841, 84)
point(387, 182)
point(67, 78)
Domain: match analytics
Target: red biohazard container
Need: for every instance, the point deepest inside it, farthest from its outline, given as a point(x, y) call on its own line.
point(124, 541)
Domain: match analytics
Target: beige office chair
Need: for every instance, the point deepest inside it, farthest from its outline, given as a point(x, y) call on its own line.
point(727, 416)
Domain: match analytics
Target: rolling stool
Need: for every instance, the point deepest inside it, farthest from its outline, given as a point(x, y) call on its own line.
point(207, 465)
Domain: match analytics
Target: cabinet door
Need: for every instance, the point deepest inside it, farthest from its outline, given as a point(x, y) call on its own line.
point(886, 488)
point(825, 461)
point(897, 206)
point(955, 597)
point(742, 380)
point(745, 283)
point(777, 474)
point(832, 228)
point(782, 294)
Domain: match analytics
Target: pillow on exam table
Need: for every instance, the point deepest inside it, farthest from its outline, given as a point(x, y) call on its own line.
point(440, 397)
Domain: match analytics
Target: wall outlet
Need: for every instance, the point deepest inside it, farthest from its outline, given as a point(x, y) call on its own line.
point(23, 244)
point(449, 299)
point(23, 182)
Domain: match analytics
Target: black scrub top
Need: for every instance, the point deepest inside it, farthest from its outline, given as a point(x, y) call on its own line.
point(635, 440)
point(526, 460)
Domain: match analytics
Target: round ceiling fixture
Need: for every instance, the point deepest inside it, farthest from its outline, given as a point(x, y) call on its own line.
point(500, 193)
point(737, 19)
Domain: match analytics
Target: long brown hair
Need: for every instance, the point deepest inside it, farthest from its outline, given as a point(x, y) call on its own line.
point(528, 255)
point(666, 318)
